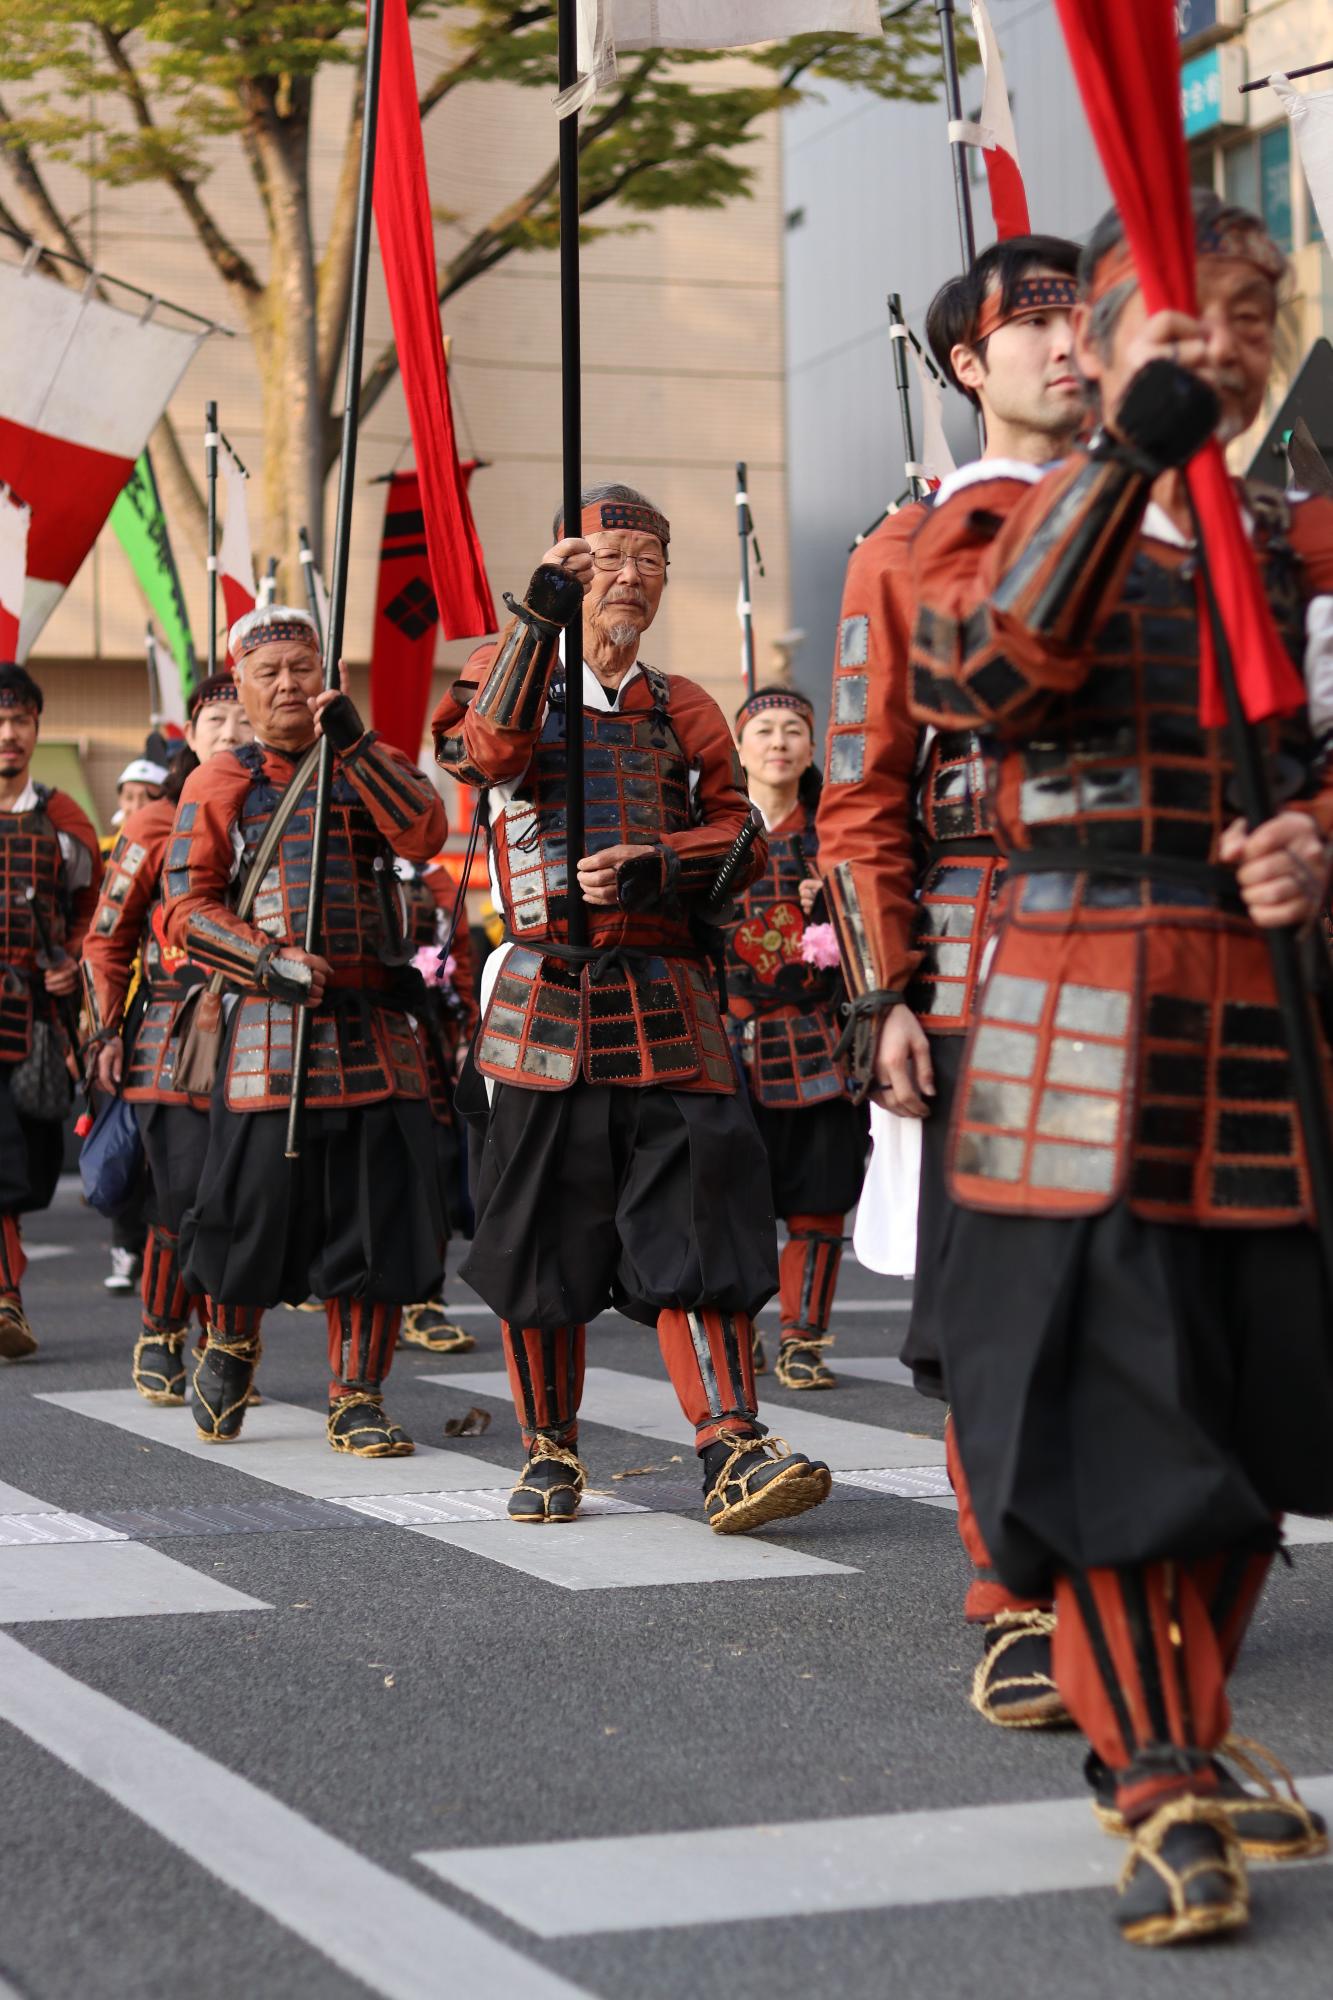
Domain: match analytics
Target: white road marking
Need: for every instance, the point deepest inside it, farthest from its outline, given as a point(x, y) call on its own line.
point(29, 1529)
point(398, 1941)
point(619, 1552)
point(649, 1408)
point(107, 1580)
point(14, 1501)
point(423, 1510)
point(872, 1368)
point(903, 1482)
point(1306, 1529)
point(42, 1253)
point(286, 1446)
point(730, 1875)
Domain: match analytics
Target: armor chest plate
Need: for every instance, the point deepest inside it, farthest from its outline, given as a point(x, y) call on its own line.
point(764, 962)
point(29, 856)
point(422, 923)
point(1122, 766)
point(358, 877)
point(636, 787)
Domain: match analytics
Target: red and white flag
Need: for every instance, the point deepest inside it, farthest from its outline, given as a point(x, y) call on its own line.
point(81, 386)
point(236, 562)
point(14, 520)
point(168, 693)
point(604, 26)
point(994, 133)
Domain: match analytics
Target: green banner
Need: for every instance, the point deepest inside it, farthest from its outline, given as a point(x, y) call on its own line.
point(139, 521)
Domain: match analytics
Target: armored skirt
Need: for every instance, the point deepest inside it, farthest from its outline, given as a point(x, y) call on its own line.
point(1126, 1391)
point(359, 1215)
point(599, 1196)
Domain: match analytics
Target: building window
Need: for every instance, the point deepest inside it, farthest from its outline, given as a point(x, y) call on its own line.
point(1275, 183)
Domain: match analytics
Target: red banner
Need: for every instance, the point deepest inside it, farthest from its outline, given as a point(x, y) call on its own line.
point(1127, 62)
point(406, 620)
point(407, 248)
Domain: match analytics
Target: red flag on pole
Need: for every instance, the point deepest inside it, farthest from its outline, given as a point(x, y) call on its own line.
point(994, 133)
point(1127, 62)
point(406, 620)
point(407, 249)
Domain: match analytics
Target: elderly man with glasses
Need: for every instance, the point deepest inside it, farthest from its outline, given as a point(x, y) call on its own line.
point(615, 1163)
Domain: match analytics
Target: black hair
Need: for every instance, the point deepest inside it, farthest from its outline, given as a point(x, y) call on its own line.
point(953, 313)
point(178, 770)
point(15, 679)
point(811, 786)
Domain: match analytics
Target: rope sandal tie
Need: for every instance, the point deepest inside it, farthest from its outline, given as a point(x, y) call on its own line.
point(801, 1364)
point(1182, 1919)
point(361, 1416)
point(547, 1451)
point(1043, 1708)
point(737, 1499)
point(158, 1367)
point(428, 1325)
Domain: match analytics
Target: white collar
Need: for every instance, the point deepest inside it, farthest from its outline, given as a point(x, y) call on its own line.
point(27, 800)
point(594, 694)
point(978, 469)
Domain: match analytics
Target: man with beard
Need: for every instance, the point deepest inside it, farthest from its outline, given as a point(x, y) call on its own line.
point(1133, 1310)
point(906, 849)
point(357, 1220)
point(50, 867)
point(139, 1050)
point(617, 1164)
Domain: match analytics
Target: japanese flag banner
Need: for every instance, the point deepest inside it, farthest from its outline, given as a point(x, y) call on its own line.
point(82, 383)
point(993, 132)
point(607, 26)
point(14, 523)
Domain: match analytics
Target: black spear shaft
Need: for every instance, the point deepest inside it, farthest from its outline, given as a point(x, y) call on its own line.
point(962, 186)
point(1310, 69)
point(571, 393)
point(744, 529)
point(312, 595)
point(342, 541)
point(1303, 1038)
point(898, 341)
point(211, 476)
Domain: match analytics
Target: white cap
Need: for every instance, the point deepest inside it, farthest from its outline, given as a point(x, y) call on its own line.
point(143, 771)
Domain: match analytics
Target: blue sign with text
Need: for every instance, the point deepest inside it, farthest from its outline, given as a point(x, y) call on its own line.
point(1201, 93)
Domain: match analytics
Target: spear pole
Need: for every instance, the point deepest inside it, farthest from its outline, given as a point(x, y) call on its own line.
point(898, 340)
point(342, 540)
point(211, 476)
point(571, 395)
point(744, 530)
point(962, 185)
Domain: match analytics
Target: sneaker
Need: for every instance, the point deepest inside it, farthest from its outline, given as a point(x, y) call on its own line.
point(550, 1486)
point(1185, 1876)
point(126, 1270)
point(752, 1478)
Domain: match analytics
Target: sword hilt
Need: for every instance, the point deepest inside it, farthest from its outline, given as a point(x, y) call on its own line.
point(732, 863)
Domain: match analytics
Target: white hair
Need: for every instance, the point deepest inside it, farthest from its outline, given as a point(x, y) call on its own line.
point(265, 615)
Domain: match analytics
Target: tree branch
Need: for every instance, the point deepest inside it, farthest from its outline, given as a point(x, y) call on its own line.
point(232, 267)
point(449, 79)
point(45, 224)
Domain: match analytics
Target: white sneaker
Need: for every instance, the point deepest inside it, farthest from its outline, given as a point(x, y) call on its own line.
point(124, 1273)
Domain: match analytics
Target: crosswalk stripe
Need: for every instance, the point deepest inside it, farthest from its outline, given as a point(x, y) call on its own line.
point(14, 1501)
point(398, 1941)
point(740, 1874)
point(649, 1408)
point(872, 1368)
point(285, 1445)
point(620, 1552)
point(456, 1500)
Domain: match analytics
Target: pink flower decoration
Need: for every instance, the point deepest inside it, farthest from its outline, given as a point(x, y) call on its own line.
point(819, 946)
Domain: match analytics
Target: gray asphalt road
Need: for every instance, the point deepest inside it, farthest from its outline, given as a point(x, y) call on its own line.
point(272, 1724)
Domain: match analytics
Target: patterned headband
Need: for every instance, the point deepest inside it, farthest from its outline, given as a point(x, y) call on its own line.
point(218, 687)
point(1044, 292)
point(1246, 242)
point(775, 698)
point(607, 514)
point(265, 630)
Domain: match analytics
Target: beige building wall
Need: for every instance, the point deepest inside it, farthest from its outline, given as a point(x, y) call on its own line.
point(682, 376)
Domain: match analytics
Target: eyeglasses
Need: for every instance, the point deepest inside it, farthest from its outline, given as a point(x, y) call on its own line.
point(610, 561)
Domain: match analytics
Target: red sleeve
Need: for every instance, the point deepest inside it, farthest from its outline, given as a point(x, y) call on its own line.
point(867, 854)
point(402, 801)
point(720, 798)
point(200, 863)
point(128, 887)
point(446, 725)
point(68, 817)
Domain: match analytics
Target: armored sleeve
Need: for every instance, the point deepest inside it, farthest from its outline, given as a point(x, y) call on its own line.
point(405, 806)
point(501, 723)
point(867, 856)
point(446, 725)
point(200, 865)
point(82, 863)
point(112, 941)
point(693, 856)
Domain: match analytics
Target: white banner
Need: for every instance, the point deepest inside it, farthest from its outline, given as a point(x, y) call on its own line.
point(605, 26)
point(14, 520)
point(236, 563)
point(1311, 116)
